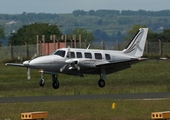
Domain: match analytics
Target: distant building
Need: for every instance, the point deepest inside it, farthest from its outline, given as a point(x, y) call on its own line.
point(49, 47)
point(11, 22)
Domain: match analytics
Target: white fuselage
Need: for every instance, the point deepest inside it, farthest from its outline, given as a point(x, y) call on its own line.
point(86, 59)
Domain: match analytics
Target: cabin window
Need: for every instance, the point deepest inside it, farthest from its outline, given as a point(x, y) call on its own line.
point(72, 54)
point(60, 53)
point(87, 55)
point(107, 57)
point(98, 56)
point(79, 54)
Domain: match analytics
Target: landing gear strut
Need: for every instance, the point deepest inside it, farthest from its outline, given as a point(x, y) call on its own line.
point(55, 83)
point(42, 82)
point(101, 81)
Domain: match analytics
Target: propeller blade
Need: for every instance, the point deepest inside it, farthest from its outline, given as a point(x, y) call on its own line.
point(34, 56)
point(28, 74)
point(69, 54)
point(73, 63)
point(77, 67)
point(61, 69)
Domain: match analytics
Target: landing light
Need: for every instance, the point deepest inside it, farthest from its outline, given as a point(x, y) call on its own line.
point(41, 70)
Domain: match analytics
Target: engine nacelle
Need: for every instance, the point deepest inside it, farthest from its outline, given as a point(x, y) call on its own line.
point(86, 63)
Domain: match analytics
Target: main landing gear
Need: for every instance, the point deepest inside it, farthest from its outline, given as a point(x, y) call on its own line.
point(55, 83)
point(101, 81)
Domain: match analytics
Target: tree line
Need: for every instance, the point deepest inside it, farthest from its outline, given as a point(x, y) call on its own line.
point(27, 33)
point(102, 13)
point(107, 25)
point(36, 16)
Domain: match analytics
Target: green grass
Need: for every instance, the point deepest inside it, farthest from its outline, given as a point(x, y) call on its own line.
point(148, 76)
point(88, 109)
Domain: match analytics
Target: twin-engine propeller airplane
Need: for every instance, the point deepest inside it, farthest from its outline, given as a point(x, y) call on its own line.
point(74, 61)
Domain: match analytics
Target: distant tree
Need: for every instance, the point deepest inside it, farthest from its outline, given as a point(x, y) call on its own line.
point(100, 22)
point(142, 12)
point(119, 36)
point(165, 35)
point(128, 12)
point(2, 33)
point(133, 31)
point(85, 35)
point(100, 34)
point(153, 37)
point(101, 13)
point(125, 20)
point(78, 12)
point(91, 12)
point(28, 33)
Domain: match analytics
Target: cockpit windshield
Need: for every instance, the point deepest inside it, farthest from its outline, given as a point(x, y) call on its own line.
point(60, 53)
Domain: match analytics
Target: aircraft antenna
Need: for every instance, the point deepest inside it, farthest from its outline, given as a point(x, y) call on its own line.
point(88, 47)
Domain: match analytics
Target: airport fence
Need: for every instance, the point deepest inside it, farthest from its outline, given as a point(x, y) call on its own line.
point(28, 51)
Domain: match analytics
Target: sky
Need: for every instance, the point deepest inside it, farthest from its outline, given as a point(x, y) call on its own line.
point(68, 6)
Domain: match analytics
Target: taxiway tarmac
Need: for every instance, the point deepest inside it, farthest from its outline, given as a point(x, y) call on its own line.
point(145, 96)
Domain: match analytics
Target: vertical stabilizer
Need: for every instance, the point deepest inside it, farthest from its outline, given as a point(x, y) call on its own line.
point(137, 44)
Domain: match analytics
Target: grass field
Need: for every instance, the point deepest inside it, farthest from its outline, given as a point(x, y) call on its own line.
point(148, 76)
point(88, 110)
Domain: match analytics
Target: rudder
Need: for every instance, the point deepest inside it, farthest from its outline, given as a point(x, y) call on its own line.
point(136, 47)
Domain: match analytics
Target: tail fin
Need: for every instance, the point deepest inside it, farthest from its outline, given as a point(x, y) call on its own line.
point(137, 44)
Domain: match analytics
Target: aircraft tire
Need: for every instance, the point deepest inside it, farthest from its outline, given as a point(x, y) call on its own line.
point(55, 84)
point(101, 83)
point(42, 82)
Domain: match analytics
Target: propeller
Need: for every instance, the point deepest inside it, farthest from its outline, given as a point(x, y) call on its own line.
point(72, 62)
point(34, 56)
point(28, 73)
point(19, 58)
point(69, 53)
point(61, 69)
point(26, 63)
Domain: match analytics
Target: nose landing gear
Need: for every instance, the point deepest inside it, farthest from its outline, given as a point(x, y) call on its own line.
point(42, 82)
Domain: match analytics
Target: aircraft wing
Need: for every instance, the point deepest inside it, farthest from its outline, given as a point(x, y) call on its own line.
point(15, 64)
point(117, 66)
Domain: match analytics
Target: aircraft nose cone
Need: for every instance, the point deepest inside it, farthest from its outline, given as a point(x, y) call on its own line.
point(26, 63)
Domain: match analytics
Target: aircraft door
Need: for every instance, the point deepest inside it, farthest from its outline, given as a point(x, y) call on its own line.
point(113, 58)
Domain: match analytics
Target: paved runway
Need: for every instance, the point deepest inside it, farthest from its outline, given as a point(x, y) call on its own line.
point(159, 95)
